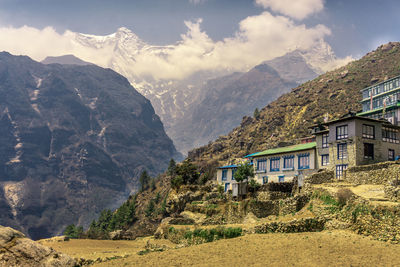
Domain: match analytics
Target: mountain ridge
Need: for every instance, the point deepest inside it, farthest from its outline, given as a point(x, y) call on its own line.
point(73, 141)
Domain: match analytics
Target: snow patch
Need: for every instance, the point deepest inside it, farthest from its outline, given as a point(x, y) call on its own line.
point(13, 192)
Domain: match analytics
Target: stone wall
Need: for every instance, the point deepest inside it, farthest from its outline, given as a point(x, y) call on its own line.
point(379, 173)
point(392, 192)
point(295, 226)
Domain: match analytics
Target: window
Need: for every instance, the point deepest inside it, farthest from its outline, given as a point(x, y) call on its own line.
point(341, 132)
point(390, 135)
point(224, 175)
point(340, 170)
point(233, 173)
point(325, 160)
point(390, 154)
point(304, 161)
point(325, 138)
point(368, 151)
point(275, 162)
point(342, 151)
point(261, 165)
point(281, 178)
point(288, 162)
point(368, 131)
point(265, 180)
point(227, 185)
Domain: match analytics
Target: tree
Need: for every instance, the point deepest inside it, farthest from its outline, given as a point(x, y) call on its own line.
point(171, 168)
point(144, 180)
point(244, 172)
point(188, 171)
point(256, 113)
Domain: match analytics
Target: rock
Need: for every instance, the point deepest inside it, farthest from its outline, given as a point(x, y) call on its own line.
point(17, 250)
point(115, 235)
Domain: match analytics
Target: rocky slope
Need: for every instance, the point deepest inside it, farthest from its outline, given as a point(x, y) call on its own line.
point(17, 250)
point(73, 141)
point(287, 118)
point(226, 101)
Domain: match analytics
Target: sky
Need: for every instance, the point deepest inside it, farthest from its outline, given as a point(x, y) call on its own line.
point(357, 26)
point(202, 35)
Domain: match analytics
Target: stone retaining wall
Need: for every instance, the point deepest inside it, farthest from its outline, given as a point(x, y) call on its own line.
point(380, 173)
point(295, 226)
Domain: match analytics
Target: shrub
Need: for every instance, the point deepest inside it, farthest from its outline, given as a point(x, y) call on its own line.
point(176, 182)
point(254, 185)
point(344, 195)
point(232, 232)
point(150, 208)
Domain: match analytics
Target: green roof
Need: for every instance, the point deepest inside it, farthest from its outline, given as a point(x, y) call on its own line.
point(286, 149)
point(378, 110)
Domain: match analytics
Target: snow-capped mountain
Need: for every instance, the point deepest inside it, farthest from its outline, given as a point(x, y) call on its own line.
point(173, 98)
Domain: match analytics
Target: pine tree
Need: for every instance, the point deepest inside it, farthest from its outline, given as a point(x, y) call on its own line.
point(144, 180)
point(256, 113)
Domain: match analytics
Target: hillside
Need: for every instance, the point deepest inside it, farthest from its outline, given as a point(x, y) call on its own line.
point(227, 99)
point(73, 141)
point(287, 118)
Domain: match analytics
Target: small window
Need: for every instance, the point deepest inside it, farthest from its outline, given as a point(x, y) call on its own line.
point(281, 178)
point(233, 173)
point(274, 164)
point(265, 180)
point(342, 132)
point(325, 160)
point(304, 161)
point(261, 165)
point(325, 138)
point(288, 162)
point(390, 135)
point(368, 131)
point(390, 154)
point(368, 151)
point(342, 151)
point(224, 175)
point(340, 170)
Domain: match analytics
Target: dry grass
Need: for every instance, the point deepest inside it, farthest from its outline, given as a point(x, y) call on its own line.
point(336, 248)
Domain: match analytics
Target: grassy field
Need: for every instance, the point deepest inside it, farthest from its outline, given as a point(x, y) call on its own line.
point(327, 248)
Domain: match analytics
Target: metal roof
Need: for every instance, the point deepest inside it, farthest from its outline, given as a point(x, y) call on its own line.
point(286, 149)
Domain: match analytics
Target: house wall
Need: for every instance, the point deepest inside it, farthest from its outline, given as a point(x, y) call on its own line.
point(355, 144)
point(228, 180)
point(273, 176)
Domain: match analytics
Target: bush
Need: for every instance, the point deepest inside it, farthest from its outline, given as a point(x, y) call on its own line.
point(254, 185)
point(344, 195)
point(176, 182)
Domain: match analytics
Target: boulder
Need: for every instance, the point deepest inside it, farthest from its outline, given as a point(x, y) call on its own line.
point(17, 250)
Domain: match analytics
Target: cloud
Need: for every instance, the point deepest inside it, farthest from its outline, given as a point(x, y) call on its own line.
point(259, 38)
point(197, 2)
point(297, 9)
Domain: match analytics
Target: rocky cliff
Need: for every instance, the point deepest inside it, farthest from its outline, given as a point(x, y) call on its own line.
point(73, 140)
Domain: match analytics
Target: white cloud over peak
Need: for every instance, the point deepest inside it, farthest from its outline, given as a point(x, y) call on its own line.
point(298, 9)
point(259, 38)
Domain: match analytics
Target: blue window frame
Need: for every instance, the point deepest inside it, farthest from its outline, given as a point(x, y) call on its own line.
point(342, 132)
point(325, 140)
point(261, 164)
point(288, 162)
point(224, 175)
point(233, 173)
point(265, 179)
point(304, 161)
point(324, 160)
point(342, 151)
point(227, 187)
point(281, 178)
point(340, 170)
point(275, 164)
